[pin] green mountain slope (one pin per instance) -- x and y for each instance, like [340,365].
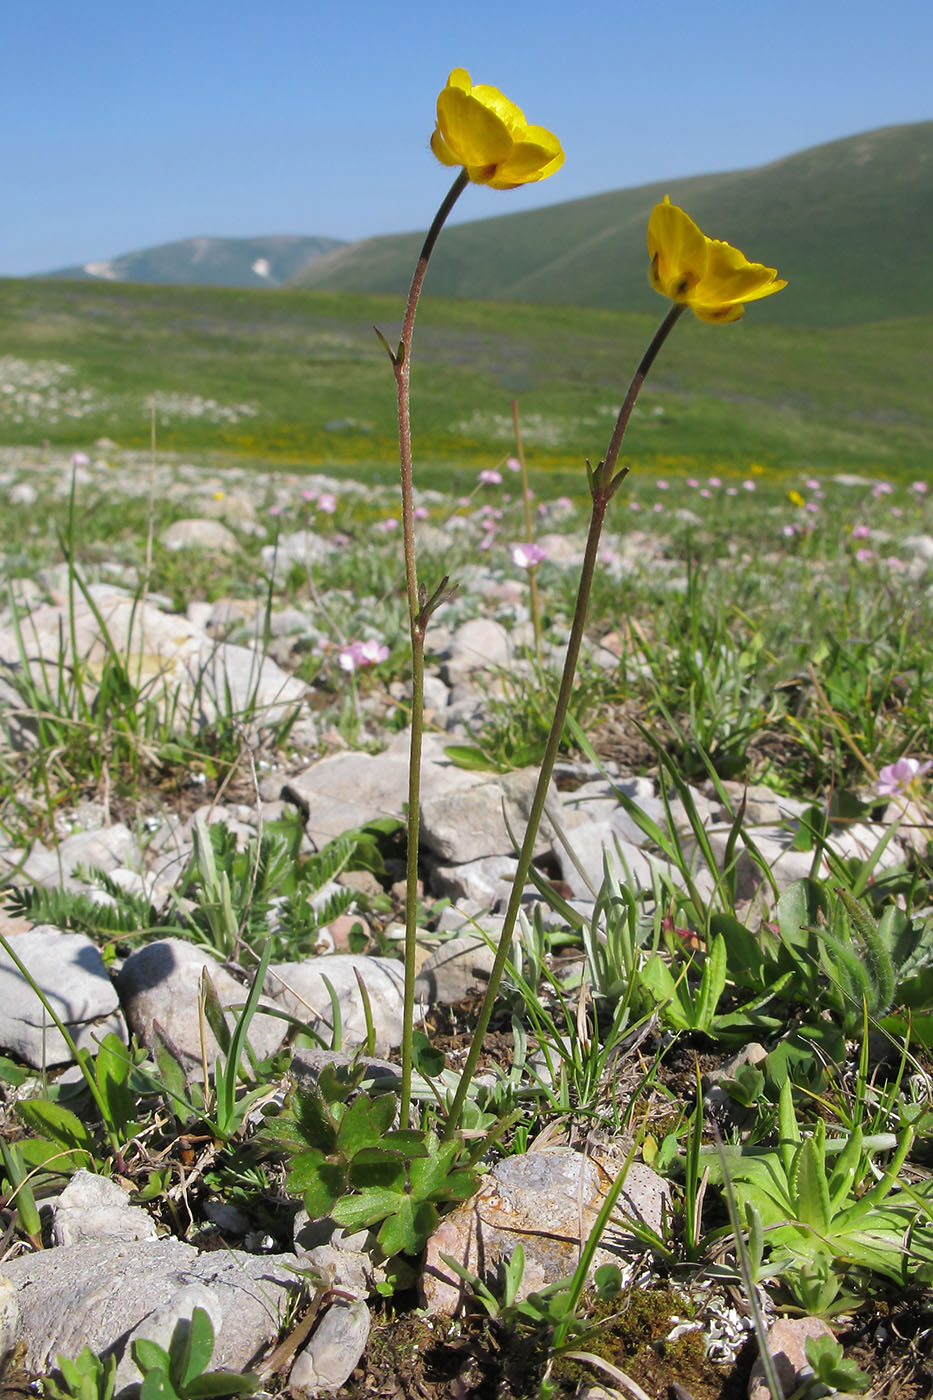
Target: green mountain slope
[266,261]
[846,223]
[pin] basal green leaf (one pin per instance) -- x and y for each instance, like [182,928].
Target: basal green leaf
[192,1352]
[409,1228]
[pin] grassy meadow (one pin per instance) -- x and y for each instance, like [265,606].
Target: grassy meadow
[299,378]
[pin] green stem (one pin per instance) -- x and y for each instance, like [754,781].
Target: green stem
[603,486]
[418,614]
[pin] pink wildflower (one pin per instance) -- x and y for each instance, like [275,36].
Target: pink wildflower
[864,556]
[896,778]
[527,555]
[327,502]
[881,488]
[513,464]
[749,486]
[367,653]
[81,459]
[860,532]
[421,512]
[490,477]
[919,488]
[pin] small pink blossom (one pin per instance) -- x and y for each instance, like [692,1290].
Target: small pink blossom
[490,477]
[897,513]
[421,512]
[881,488]
[388,525]
[276,509]
[367,653]
[692,481]
[715,481]
[307,495]
[658,506]
[864,556]
[662,485]
[788,531]
[896,778]
[527,555]
[732,490]
[327,502]
[81,459]
[633,505]
[513,464]
[749,486]
[860,532]
[564,503]
[706,493]
[919,488]
[812,484]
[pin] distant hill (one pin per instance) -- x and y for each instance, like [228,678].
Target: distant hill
[211,262]
[847,223]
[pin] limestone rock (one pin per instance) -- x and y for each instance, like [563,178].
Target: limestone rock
[299,989]
[71,973]
[541,1199]
[95,1295]
[93,1207]
[159,983]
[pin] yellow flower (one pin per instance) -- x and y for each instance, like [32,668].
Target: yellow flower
[488,135]
[795,498]
[712,278]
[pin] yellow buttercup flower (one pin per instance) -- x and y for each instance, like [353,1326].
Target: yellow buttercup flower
[711,277]
[480,129]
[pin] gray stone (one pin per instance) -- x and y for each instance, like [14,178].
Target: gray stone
[483,883]
[69,970]
[462,812]
[199,534]
[299,989]
[94,1207]
[160,983]
[541,1199]
[95,1295]
[348,789]
[303,547]
[453,971]
[332,1353]
[597,842]
[105,849]
[475,646]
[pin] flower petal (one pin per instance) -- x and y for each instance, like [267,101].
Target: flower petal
[731,277]
[474,133]
[678,251]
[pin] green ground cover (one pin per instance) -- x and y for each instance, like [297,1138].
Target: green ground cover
[300,378]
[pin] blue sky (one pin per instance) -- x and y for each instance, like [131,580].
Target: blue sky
[130,124]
